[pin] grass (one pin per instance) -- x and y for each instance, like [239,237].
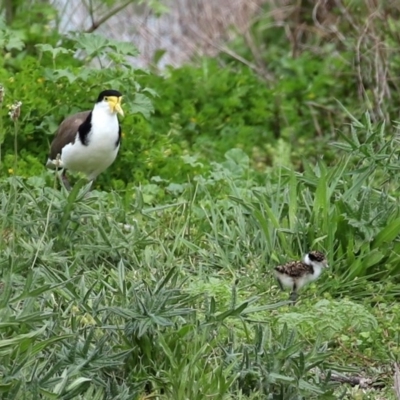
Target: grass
[165,291]
[119,296]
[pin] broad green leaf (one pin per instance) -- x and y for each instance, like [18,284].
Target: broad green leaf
[55,51]
[125,48]
[91,43]
[77,382]
[307,386]
[141,104]
[279,377]
[387,234]
[231,313]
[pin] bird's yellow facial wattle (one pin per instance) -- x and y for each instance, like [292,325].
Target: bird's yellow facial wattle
[115,104]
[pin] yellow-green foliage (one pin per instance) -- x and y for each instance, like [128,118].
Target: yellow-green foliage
[199,112]
[327,319]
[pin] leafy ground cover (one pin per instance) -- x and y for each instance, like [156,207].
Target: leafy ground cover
[166,292]
[160,286]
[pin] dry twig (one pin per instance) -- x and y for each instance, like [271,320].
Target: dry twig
[397,380]
[362,383]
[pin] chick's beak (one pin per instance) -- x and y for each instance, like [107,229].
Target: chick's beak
[115,104]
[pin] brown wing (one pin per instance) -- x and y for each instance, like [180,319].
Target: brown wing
[294,269]
[66,132]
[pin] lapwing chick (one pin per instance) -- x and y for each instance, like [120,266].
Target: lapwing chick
[88,142]
[296,274]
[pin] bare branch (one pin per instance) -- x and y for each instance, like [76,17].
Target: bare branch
[106,17]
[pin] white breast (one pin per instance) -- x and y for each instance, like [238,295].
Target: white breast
[101,149]
[285,280]
[304,280]
[301,281]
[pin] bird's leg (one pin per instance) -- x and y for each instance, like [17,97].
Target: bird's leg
[89,189]
[293,298]
[293,295]
[280,284]
[58,165]
[65,180]
[58,161]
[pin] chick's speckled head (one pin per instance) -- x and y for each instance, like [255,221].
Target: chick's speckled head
[316,258]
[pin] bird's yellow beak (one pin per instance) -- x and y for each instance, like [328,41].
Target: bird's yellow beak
[115,104]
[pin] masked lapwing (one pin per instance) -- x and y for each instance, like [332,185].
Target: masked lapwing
[296,274]
[88,142]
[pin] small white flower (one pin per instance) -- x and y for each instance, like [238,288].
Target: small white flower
[15,110]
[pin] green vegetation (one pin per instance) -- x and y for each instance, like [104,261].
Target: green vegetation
[158,284]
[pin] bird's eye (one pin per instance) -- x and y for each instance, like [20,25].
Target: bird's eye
[106,98]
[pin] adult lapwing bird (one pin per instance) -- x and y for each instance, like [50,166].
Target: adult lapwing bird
[296,274]
[89,141]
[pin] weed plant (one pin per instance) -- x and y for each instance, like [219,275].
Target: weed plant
[107,295]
